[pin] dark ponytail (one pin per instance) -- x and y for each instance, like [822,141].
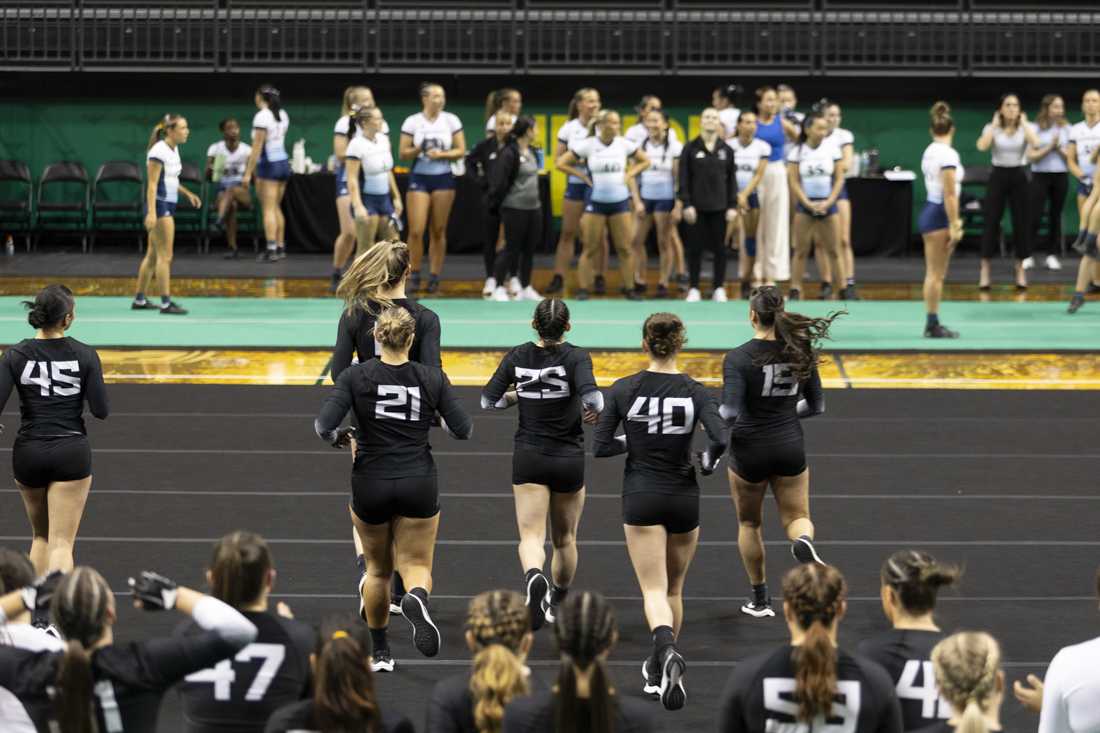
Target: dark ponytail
[240,568]
[344,699]
[551,320]
[49,307]
[520,127]
[815,595]
[585,629]
[79,608]
[815,115]
[76,712]
[272,98]
[800,335]
[916,578]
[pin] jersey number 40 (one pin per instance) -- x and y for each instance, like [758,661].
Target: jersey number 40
[925,693]
[63,377]
[664,415]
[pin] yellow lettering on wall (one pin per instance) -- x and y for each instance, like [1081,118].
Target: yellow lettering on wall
[557,178]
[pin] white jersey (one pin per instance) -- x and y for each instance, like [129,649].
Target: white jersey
[657,183]
[13,716]
[728,118]
[343,126]
[747,158]
[607,166]
[1071,691]
[815,167]
[1087,140]
[229,164]
[840,137]
[437,134]
[1007,151]
[572,130]
[274,148]
[638,134]
[937,158]
[168,184]
[375,160]
[1052,162]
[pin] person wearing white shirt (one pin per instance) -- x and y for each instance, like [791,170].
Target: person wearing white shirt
[816,177]
[1007,137]
[507,99]
[433,139]
[1048,177]
[843,140]
[940,223]
[750,155]
[373,193]
[163,168]
[355,97]
[270,164]
[658,190]
[724,99]
[225,163]
[1081,159]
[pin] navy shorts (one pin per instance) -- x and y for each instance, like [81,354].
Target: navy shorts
[758,461]
[658,206]
[165,209]
[843,193]
[1083,188]
[829,212]
[224,185]
[754,201]
[750,246]
[933,217]
[273,170]
[562,474]
[677,513]
[378,500]
[577,191]
[38,462]
[425,183]
[607,209]
[377,204]
[341,181]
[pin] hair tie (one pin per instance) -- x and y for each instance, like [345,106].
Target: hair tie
[340,634]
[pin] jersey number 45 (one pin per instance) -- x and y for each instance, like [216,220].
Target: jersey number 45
[63,377]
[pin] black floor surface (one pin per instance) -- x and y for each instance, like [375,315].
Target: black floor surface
[1001,482]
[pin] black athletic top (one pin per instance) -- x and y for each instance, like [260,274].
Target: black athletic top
[394,407]
[760,696]
[535,714]
[241,693]
[298,718]
[54,378]
[355,335]
[906,656]
[760,396]
[451,707]
[659,413]
[130,679]
[551,384]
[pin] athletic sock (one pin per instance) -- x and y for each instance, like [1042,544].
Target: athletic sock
[851,281]
[378,640]
[530,574]
[361,563]
[272,245]
[557,594]
[933,320]
[139,298]
[663,638]
[165,301]
[398,584]
[760,594]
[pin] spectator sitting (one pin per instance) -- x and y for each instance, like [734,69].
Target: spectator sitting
[225,162]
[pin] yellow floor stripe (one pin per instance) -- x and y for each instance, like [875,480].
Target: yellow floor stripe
[473,368]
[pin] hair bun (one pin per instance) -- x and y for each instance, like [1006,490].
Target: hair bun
[37,317]
[940,109]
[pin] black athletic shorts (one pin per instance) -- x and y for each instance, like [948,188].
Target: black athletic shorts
[563,474]
[676,512]
[377,501]
[38,462]
[759,461]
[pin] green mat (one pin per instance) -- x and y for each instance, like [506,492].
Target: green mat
[300,323]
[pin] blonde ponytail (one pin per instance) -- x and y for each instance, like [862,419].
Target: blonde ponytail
[967,665]
[498,621]
[382,266]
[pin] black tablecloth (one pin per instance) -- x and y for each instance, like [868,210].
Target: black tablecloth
[882,215]
[312,226]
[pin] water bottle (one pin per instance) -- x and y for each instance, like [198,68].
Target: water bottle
[9,245]
[540,158]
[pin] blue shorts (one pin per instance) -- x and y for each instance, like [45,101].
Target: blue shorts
[607,209]
[754,201]
[933,217]
[843,193]
[224,185]
[577,191]
[341,181]
[376,204]
[1084,189]
[273,170]
[658,206]
[165,209]
[829,212]
[430,183]
[749,244]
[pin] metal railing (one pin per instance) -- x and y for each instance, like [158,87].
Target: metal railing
[687,37]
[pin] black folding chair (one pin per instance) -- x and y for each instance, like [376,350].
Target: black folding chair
[189,219]
[62,205]
[972,202]
[16,199]
[118,197]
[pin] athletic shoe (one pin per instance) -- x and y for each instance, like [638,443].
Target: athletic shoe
[1078,245]
[537,589]
[601,285]
[826,291]
[382,661]
[1027,263]
[757,610]
[433,283]
[557,284]
[746,291]
[794,294]
[173,309]
[268,255]
[362,603]
[334,282]
[529,293]
[549,610]
[514,288]
[500,295]
[693,296]
[683,280]
[1052,263]
[849,293]
[652,681]
[144,305]
[804,551]
[1075,304]
[940,331]
[426,637]
[490,286]
[661,292]
[580,294]
[673,695]
[719,295]
[632,294]
[231,255]
[1092,289]
[280,253]
[395,606]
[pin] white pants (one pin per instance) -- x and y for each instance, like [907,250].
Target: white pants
[773,236]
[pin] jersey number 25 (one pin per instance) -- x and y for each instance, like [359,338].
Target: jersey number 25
[542,384]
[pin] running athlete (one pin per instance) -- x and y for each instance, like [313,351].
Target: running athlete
[582,110]
[810,684]
[269,162]
[584,697]
[51,459]
[552,382]
[844,141]
[507,99]
[123,683]
[750,155]
[816,177]
[434,140]
[658,189]
[611,164]
[724,99]
[372,187]
[395,491]
[240,693]
[970,678]
[498,633]
[660,409]
[163,168]
[344,698]
[225,163]
[940,223]
[910,582]
[768,384]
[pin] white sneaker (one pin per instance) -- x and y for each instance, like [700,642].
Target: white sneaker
[1052,263]
[500,295]
[514,288]
[1028,263]
[693,296]
[529,293]
[490,286]
[720,295]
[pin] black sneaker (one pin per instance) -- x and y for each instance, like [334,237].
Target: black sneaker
[581,294]
[362,601]
[601,285]
[268,255]
[826,291]
[683,281]
[803,551]
[673,695]
[549,610]
[1075,304]
[757,610]
[426,637]
[940,331]
[633,294]
[661,292]
[557,284]
[173,309]
[334,282]
[537,589]
[746,291]
[1078,245]
[652,680]
[280,253]
[794,294]
[381,660]
[433,283]
[144,305]
[231,255]
[849,293]
[1092,289]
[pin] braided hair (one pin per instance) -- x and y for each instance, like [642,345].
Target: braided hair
[815,595]
[966,666]
[497,623]
[81,607]
[551,321]
[586,630]
[916,578]
[799,334]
